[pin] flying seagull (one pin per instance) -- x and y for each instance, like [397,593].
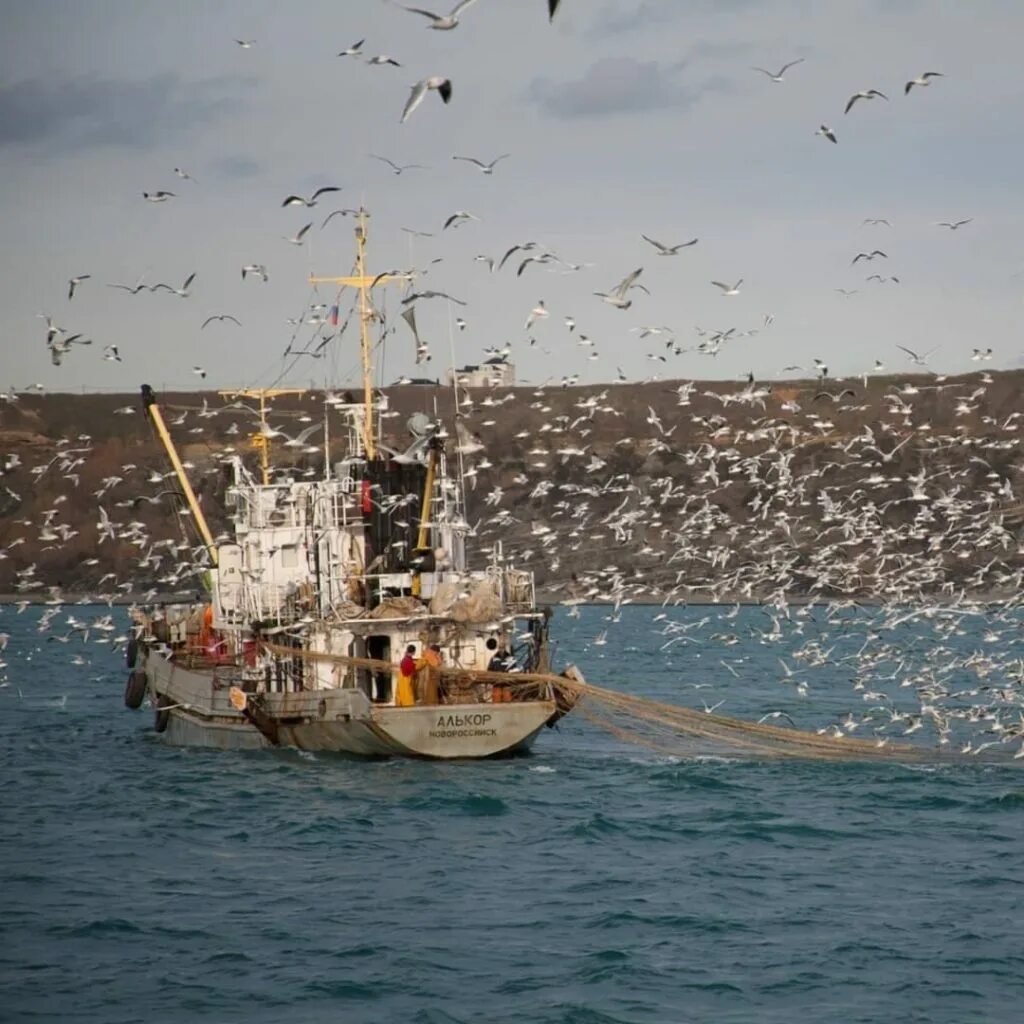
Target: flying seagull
[955,224]
[420,89]
[397,168]
[864,94]
[668,250]
[302,201]
[921,80]
[827,132]
[297,240]
[729,289]
[182,291]
[869,255]
[160,196]
[353,50]
[486,168]
[184,175]
[383,58]
[245,44]
[914,357]
[617,296]
[875,221]
[457,218]
[441,22]
[777,77]
[199,372]
[254,268]
[220,316]
[75,281]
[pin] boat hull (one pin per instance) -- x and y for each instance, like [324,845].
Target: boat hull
[194,709]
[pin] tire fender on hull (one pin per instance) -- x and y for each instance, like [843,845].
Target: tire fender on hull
[135,689]
[163,714]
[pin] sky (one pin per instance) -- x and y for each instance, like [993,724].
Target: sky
[622,118]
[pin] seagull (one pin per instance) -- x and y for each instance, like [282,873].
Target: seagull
[486,168]
[184,175]
[875,221]
[869,255]
[443,23]
[74,282]
[383,58]
[827,133]
[955,224]
[397,168]
[921,80]
[160,196]
[302,201]
[111,354]
[617,296]
[353,50]
[420,89]
[919,360]
[133,289]
[457,218]
[777,77]
[221,317]
[668,250]
[539,312]
[776,714]
[245,44]
[199,372]
[182,291]
[864,94]
[726,289]
[297,240]
[254,268]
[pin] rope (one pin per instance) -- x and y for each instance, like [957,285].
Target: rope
[661,726]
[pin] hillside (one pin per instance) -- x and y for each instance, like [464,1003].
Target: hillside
[878,487]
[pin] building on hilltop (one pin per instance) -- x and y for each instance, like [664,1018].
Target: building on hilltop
[496,372]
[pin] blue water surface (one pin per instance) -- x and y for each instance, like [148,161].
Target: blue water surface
[591,882]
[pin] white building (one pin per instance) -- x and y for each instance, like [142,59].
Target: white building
[496,372]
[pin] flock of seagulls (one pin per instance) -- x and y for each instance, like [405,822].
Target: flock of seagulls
[904,493]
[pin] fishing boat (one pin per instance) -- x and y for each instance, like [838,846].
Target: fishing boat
[319,589]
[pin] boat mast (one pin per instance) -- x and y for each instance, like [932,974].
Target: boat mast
[367,314]
[262,439]
[157,419]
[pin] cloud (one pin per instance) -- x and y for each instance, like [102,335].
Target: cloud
[89,112]
[618,85]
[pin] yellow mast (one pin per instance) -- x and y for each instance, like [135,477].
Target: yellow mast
[364,283]
[262,439]
[153,411]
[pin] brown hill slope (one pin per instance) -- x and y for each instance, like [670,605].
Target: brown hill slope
[878,486]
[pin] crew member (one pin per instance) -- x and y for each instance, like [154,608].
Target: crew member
[429,667]
[405,696]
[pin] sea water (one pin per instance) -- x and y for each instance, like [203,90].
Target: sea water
[590,882]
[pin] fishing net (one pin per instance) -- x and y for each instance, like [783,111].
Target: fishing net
[684,732]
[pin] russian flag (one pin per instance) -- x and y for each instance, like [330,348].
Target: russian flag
[334,316]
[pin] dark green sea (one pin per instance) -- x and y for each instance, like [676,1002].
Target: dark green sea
[591,882]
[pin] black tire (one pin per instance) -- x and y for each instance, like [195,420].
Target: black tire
[135,689]
[163,716]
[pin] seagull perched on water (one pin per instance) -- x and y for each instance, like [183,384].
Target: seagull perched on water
[443,22]
[727,289]
[827,132]
[921,80]
[74,282]
[420,89]
[617,296]
[486,168]
[668,250]
[302,201]
[864,94]
[777,77]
